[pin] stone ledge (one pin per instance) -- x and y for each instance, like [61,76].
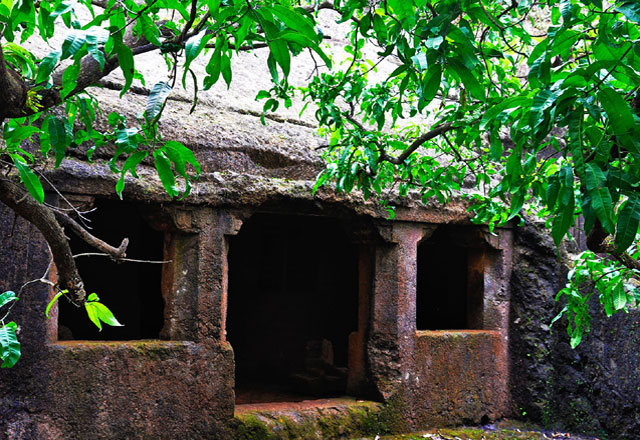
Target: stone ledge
[453,334]
[311,419]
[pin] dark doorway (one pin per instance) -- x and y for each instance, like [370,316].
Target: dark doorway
[449,284]
[292,305]
[132,291]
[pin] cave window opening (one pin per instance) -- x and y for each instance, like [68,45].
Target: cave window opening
[450,278]
[132,291]
[292,305]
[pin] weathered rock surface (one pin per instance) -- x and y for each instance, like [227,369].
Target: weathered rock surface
[140,389]
[313,419]
[594,388]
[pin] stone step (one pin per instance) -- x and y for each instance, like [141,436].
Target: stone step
[336,418]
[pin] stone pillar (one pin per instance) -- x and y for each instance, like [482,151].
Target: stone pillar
[212,269]
[498,266]
[357,384]
[496,280]
[393,324]
[195,282]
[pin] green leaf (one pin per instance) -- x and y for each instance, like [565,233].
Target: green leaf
[163,166]
[305,42]
[102,313]
[52,302]
[21,133]
[70,79]
[628,222]
[538,51]
[125,60]
[96,38]
[225,69]
[603,207]
[542,101]
[7,297]
[130,165]
[468,79]
[435,42]
[618,111]
[553,189]
[181,155]
[9,345]
[516,204]
[566,10]
[59,138]
[379,28]
[62,8]
[280,52]
[72,43]
[562,222]
[157,98]
[214,7]
[506,104]
[420,61]
[192,50]
[576,337]
[594,177]
[30,180]
[431,84]
[277,46]
[149,29]
[47,65]
[631,10]
[401,8]
[576,141]
[93,314]
[295,21]
[619,297]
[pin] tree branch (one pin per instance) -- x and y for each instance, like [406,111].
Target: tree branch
[13,92]
[598,241]
[417,143]
[90,74]
[43,218]
[425,137]
[119,252]
[192,19]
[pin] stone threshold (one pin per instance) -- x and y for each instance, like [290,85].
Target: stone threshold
[333,418]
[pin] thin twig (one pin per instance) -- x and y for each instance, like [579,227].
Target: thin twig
[118,252]
[118,259]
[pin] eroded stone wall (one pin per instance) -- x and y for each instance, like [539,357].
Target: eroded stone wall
[157,389]
[594,388]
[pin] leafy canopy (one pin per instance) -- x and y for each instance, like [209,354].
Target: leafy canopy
[519,106]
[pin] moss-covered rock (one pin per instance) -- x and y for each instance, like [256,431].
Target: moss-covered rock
[509,430]
[325,419]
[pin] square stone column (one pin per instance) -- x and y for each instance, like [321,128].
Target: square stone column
[393,308]
[212,271]
[195,280]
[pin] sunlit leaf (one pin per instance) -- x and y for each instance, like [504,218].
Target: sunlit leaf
[9,345]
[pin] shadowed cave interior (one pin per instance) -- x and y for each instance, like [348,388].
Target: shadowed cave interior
[292,305]
[449,282]
[132,291]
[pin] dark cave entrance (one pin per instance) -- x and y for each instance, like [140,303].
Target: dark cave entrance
[292,304]
[450,284]
[132,291]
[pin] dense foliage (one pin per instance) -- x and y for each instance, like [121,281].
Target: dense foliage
[529,107]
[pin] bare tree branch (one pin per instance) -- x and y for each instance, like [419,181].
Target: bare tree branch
[119,252]
[43,218]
